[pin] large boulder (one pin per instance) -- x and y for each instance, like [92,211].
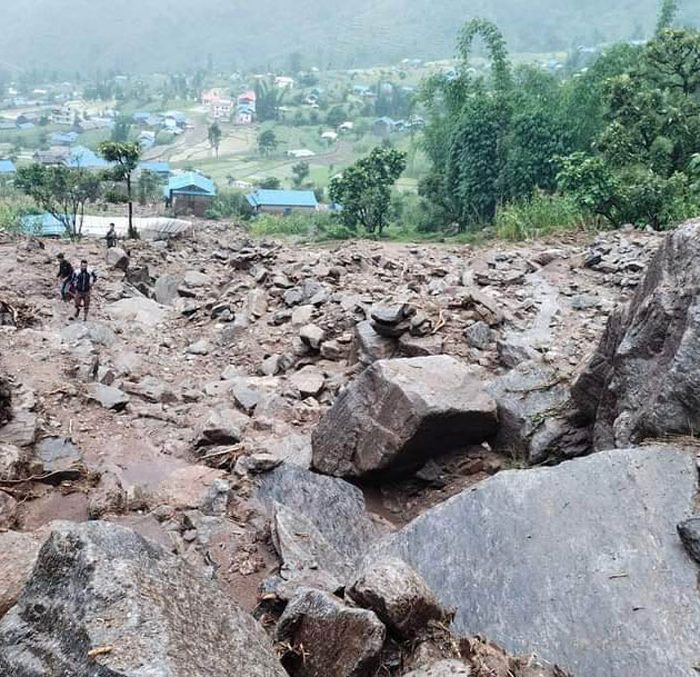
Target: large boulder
[580,562]
[329,639]
[117,258]
[102,601]
[643,379]
[399,413]
[137,311]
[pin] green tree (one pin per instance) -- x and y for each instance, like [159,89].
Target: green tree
[267,142]
[300,171]
[121,129]
[669,9]
[336,116]
[125,159]
[269,98]
[61,191]
[148,187]
[214,134]
[270,183]
[364,189]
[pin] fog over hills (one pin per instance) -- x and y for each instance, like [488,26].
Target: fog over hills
[167,35]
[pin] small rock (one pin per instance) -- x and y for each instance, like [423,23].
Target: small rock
[479,335]
[302,315]
[8,511]
[332,350]
[107,396]
[309,381]
[312,336]
[221,427]
[398,595]
[199,348]
[337,640]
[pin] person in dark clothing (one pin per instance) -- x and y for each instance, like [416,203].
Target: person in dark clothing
[111,237]
[83,281]
[65,275]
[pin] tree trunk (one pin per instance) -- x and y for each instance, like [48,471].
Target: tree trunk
[132,231]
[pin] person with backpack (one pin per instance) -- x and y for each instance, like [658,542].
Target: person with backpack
[83,281]
[65,275]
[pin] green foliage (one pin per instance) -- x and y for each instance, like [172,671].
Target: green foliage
[540,216]
[300,172]
[148,187]
[312,226]
[336,116]
[229,204]
[667,14]
[267,142]
[214,134]
[124,157]
[364,189]
[269,98]
[61,191]
[270,183]
[120,131]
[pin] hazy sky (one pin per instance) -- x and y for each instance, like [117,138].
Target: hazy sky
[148,35]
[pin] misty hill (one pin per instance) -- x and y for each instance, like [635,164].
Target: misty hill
[148,35]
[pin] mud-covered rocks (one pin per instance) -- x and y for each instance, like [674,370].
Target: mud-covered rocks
[328,638]
[398,595]
[117,258]
[98,585]
[399,413]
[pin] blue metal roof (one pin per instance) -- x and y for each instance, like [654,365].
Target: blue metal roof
[155,167]
[282,198]
[80,156]
[191,183]
[45,225]
[7,167]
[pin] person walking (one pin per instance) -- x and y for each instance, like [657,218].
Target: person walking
[83,281]
[65,275]
[111,236]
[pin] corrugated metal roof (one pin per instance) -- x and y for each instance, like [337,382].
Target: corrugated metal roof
[45,225]
[282,198]
[157,167]
[7,167]
[191,183]
[80,156]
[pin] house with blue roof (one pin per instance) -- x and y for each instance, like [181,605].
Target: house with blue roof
[161,169]
[282,201]
[84,158]
[383,126]
[7,168]
[190,193]
[63,138]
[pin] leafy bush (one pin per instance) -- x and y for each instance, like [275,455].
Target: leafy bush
[14,206]
[539,216]
[312,226]
[229,204]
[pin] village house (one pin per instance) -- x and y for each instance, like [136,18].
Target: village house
[284,82]
[282,201]
[212,96]
[62,116]
[7,168]
[221,109]
[190,193]
[160,169]
[383,126]
[63,138]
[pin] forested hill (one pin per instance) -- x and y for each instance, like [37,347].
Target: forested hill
[148,35]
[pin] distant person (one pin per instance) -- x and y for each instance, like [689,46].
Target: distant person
[111,237]
[65,275]
[83,281]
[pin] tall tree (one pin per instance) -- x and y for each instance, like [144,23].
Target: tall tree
[299,173]
[125,159]
[214,134]
[364,189]
[267,142]
[63,192]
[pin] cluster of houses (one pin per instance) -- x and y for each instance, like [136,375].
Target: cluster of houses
[150,124]
[240,111]
[385,126]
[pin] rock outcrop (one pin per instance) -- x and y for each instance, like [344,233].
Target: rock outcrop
[580,563]
[643,381]
[102,601]
[399,413]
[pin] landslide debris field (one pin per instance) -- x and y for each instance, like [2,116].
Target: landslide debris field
[343,451]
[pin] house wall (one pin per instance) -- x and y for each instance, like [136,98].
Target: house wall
[195,205]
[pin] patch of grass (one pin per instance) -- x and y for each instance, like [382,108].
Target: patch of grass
[540,216]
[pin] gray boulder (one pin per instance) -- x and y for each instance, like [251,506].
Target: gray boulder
[399,413]
[117,258]
[560,560]
[642,381]
[165,290]
[334,507]
[335,640]
[398,595]
[8,511]
[450,667]
[103,601]
[59,456]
